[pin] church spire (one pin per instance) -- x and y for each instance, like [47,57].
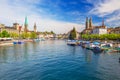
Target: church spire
[90,23]
[87,23]
[26,21]
[26,25]
[103,22]
[35,27]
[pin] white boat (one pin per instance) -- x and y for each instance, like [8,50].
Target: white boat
[90,46]
[72,42]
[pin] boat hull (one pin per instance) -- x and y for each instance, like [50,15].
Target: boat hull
[97,50]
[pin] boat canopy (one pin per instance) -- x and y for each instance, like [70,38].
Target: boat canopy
[96,43]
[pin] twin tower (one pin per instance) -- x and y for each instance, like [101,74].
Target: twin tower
[89,23]
[90,26]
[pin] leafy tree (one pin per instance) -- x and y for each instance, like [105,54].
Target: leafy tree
[14,35]
[85,36]
[25,35]
[5,34]
[73,34]
[111,36]
[33,35]
[52,32]
[0,34]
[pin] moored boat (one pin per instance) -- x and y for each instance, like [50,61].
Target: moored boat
[72,42]
[36,40]
[116,49]
[90,46]
[18,42]
[106,46]
[97,49]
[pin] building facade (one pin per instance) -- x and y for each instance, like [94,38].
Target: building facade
[13,29]
[35,28]
[90,29]
[115,30]
[88,26]
[99,31]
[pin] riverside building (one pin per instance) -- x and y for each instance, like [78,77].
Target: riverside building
[90,29]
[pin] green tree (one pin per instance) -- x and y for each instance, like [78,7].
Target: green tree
[14,35]
[33,35]
[52,32]
[73,34]
[25,35]
[111,36]
[5,34]
[0,34]
[85,36]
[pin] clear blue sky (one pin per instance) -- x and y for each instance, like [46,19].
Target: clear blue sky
[60,15]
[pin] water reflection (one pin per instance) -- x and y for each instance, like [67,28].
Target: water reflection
[56,59]
[73,50]
[25,53]
[14,53]
[35,45]
[3,54]
[88,55]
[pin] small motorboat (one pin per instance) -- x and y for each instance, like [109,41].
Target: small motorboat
[72,42]
[18,42]
[97,49]
[90,46]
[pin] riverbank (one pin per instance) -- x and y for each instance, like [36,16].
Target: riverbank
[10,42]
[4,43]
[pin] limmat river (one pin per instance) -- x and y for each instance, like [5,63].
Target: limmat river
[54,60]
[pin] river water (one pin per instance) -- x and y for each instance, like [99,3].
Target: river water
[54,60]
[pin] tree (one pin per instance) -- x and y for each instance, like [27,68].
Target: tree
[73,34]
[85,36]
[14,35]
[33,35]
[52,32]
[0,34]
[5,34]
[25,35]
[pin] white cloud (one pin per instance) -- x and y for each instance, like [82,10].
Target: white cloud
[113,18]
[109,9]
[61,27]
[106,7]
[16,11]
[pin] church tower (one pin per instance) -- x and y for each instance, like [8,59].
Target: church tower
[35,27]
[87,25]
[90,23]
[103,25]
[26,25]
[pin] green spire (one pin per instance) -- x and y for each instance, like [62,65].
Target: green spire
[26,21]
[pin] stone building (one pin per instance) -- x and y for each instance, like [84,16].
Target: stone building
[35,28]
[16,28]
[99,29]
[90,29]
[13,29]
[115,30]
